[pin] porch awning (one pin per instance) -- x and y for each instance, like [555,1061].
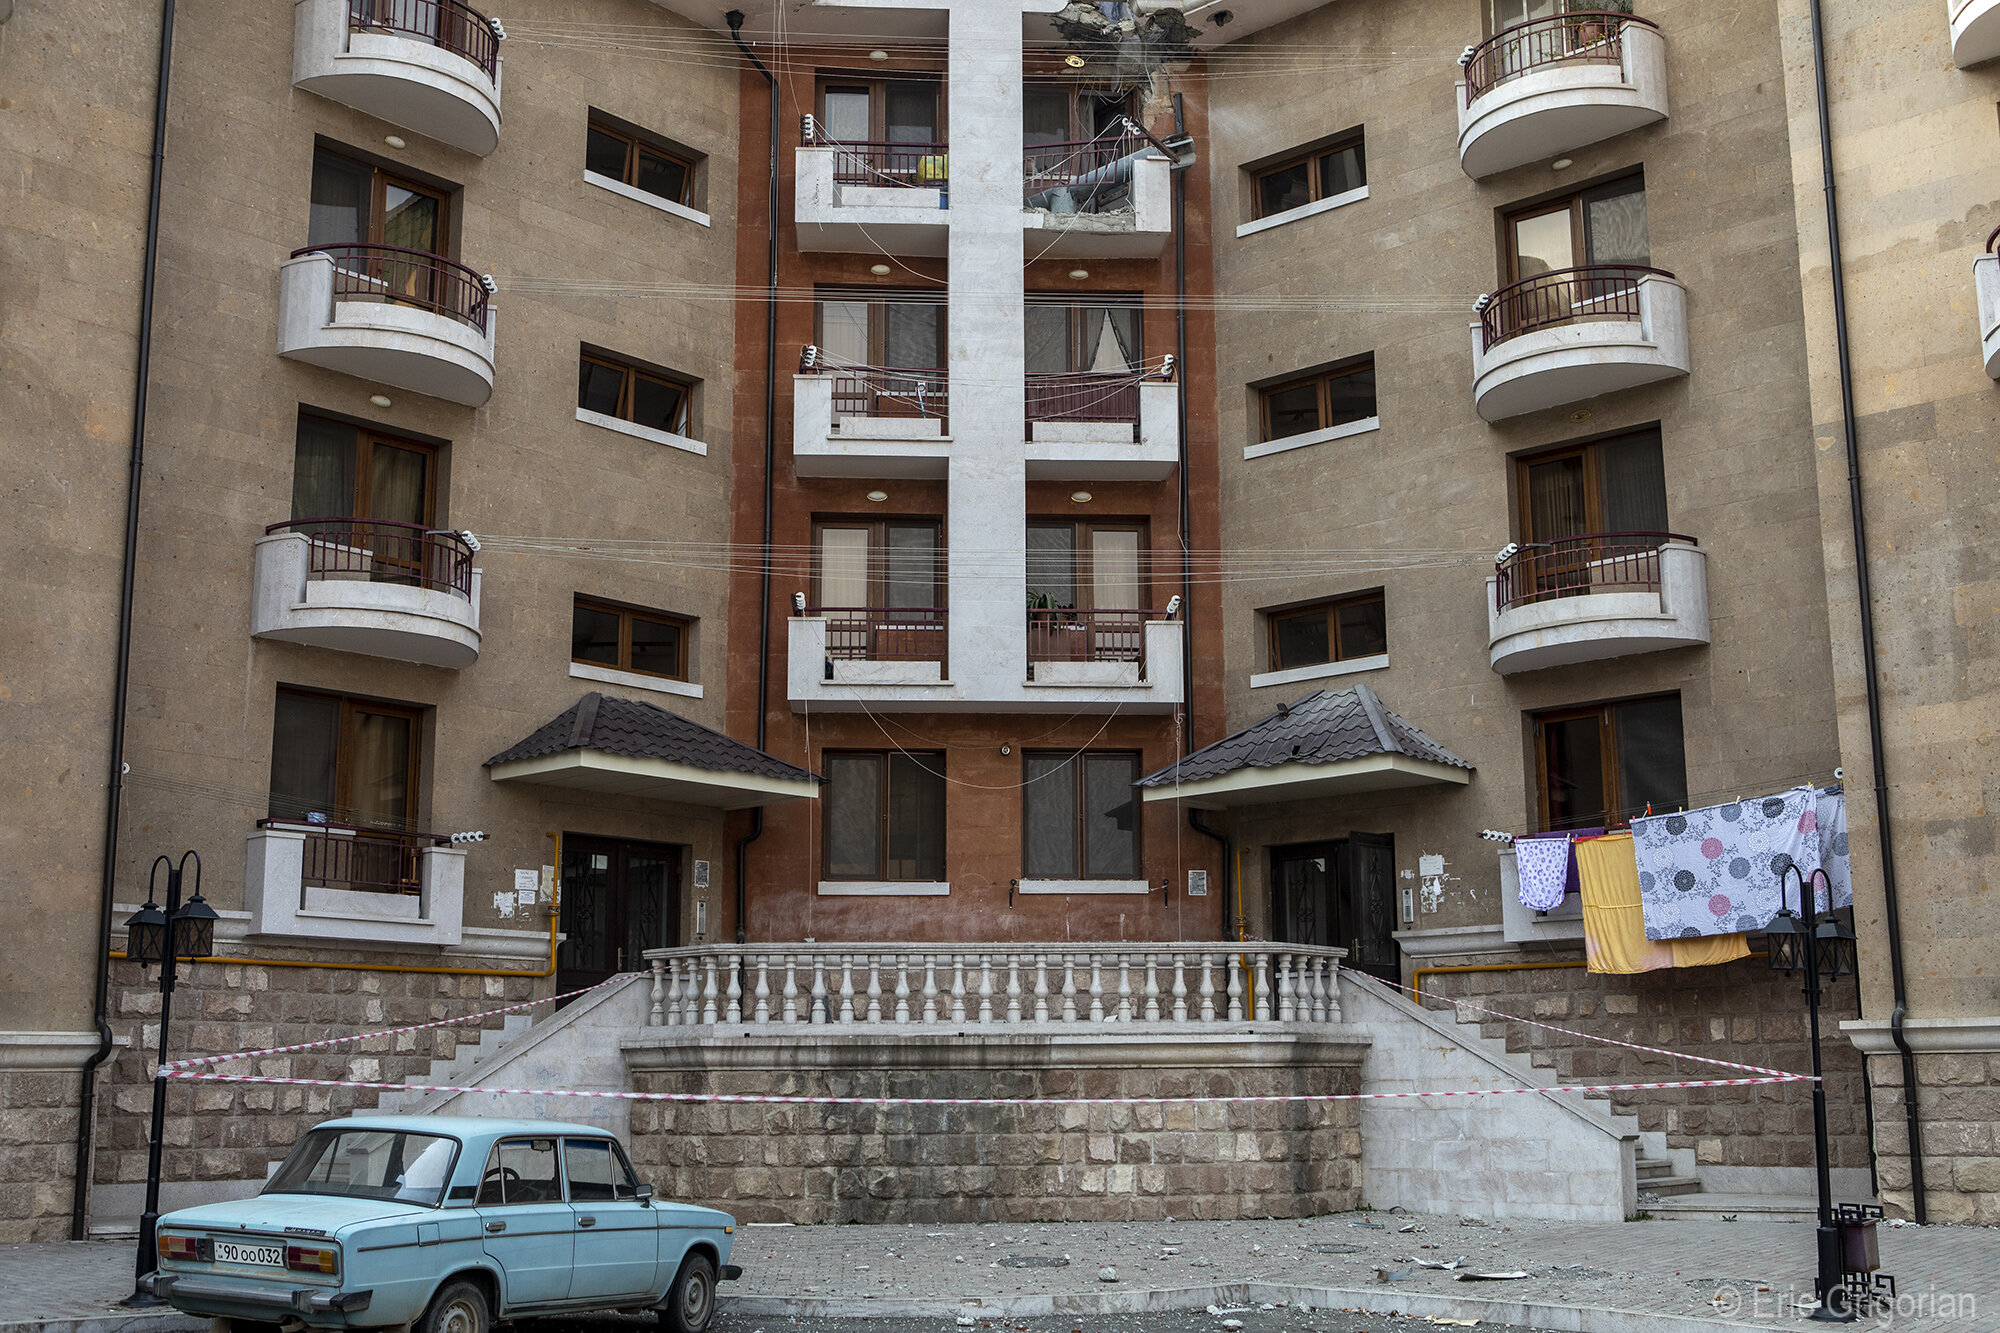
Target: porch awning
[623,747]
[1328,743]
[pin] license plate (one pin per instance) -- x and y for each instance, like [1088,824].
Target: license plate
[233,1252]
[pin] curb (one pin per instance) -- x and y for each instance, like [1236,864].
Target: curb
[171,1321]
[1369,1300]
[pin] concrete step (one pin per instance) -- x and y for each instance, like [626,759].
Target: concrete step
[1652,1168]
[1734,1207]
[1669,1186]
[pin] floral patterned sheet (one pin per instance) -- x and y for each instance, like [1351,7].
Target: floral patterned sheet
[1721,869]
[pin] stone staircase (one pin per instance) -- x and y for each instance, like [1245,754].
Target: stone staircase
[465,1064]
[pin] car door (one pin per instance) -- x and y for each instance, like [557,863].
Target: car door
[528,1227]
[617,1236]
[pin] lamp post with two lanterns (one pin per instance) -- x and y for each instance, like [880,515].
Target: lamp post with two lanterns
[181,933]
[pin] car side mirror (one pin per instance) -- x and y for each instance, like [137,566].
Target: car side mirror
[645,1194]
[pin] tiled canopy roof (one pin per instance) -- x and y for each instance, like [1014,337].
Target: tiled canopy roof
[638,730]
[1325,727]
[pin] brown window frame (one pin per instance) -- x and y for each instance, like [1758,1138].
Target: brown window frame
[878,98]
[352,706]
[878,564]
[626,615]
[1073,305]
[1323,381]
[1082,568]
[876,299]
[378,203]
[1312,159]
[365,440]
[630,374]
[1589,452]
[931,763]
[1079,761]
[1075,132]
[1574,201]
[635,145]
[1618,813]
[1330,610]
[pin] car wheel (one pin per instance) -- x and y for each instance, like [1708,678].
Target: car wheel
[459,1307]
[691,1300]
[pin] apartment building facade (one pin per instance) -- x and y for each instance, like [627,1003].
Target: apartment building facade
[1035,476]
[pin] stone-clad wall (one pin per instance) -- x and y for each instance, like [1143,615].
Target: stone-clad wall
[1958,1103]
[1018,1162]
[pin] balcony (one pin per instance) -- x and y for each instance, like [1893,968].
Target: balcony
[1975,31]
[1585,599]
[868,421]
[432,66]
[1986,277]
[1545,87]
[392,315]
[1576,333]
[1100,647]
[324,881]
[357,585]
[1103,427]
[1105,199]
[860,197]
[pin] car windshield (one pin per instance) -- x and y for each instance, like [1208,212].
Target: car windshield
[368,1164]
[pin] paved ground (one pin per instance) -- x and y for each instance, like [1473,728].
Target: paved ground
[1655,1277]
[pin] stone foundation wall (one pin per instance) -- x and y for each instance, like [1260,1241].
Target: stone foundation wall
[1740,1011]
[37,1144]
[1958,1107]
[1019,1162]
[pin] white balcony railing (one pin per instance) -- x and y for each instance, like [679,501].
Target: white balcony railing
[432,66]
[856,986]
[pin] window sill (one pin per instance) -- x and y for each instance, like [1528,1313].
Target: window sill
[623,427]
[1086,886]
[1322,671]
[634,680]
[1316,207]
[883,888]
[1345,430]
[650,200]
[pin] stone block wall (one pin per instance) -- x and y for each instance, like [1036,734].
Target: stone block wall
[37,1145]
[1033,1159]
[1958,1106]
[1740,1011]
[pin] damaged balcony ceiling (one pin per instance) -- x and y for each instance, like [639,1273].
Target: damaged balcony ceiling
[812,21]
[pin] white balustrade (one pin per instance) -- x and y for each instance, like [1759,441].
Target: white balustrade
[1043,985]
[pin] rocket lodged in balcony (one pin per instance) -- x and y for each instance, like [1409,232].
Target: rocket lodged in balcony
[1975,31]
[864,196]
[391,314]
[1108,198]
[1550,85]
[432,66]
[359,585]
[1585,599]
[1986,277]
[1573,334]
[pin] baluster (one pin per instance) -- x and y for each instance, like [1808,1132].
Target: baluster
[708,991]
[760,1009]
[1331,969]
[816,1010]
[657,1015]
[847,988]
[735,995]
[873,962]
[958,988]
[1180,988]
[1288,1006]
[691,998]
[1069,988]
[986,988]
[1308,988]
[1232,964]
[1206,987]
[1013,988]
[930,988]
[788,999]
[1152,995]
[902,987]
[1261,988]
[1096,988]
[1041,988]
[1124,988]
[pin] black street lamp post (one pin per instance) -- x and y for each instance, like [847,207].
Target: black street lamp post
[1799,941]
[182,933]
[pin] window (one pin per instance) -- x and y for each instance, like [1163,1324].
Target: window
[1104,336]
[340,470]
[626,158]
[1087,566]
[880,328]
[1336,631]
[1055,113]
[1510,13]
[342,760]
[1062,175]
[890,563]
[520,1171]
[882,110]
[1602,225]
[643,397]
[355,202]
[1079,817]
[884,816]
[625,638]
[597,1171]
[1616,485]
[1605,765]
[1321,173]
[1319,401]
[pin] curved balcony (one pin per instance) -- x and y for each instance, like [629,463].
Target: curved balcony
[390,314]
[1576,333]
[1975,31]
[432,66]
[868,421]
[1986,278]
[858,197]
[1585,599]
[1550,85]
[361,585]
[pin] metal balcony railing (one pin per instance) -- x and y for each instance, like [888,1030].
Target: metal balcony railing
[398,275]
[880,391]
[382,551]
[880,162]
[1575,566]
[1083,396]
[1565,296]
[356,856]
[451,24]
[1086,176]
[1583,36]
[883,633]
[1087,636]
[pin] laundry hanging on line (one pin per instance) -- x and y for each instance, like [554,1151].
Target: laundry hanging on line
[1544,879]
[1614,928]
[1721,869]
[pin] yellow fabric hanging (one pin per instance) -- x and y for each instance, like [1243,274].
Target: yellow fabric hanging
[1614,922]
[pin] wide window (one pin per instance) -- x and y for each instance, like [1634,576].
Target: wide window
[627,638]
[884,816]
[1058,113]
[1103,335]
[882,111]
[1602,225]
[1610,763]
[1321,173]
[355,202]
[1336,631]
[643,397]
[342,760]
[880,585]
[626,158]
[341,471]
[1616,485]
[903,330]
[1080,818]
[1320,401]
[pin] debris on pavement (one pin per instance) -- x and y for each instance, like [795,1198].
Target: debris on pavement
[1491,1277]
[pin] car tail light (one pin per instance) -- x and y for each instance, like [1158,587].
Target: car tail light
[186,1249]
[312,1259]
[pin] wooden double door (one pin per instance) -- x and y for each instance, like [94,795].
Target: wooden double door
[619,899]
[1340,893]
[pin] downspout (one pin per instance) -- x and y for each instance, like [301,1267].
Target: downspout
[1181,407]
[1865,598]
[122,679]
[734,18]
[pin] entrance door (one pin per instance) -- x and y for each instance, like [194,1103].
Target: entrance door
[1303,907]
[1367,875]
[619,898]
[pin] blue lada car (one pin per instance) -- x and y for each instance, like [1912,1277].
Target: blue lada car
[445,1225]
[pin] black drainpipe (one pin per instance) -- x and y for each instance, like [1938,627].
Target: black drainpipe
[734,18]
[79,1205]
[1865,598]
[1181,407]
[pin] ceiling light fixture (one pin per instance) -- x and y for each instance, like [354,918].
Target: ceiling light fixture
[395,141]
[380,400]
[878,496]
[1562,163]
[1080,497]
[1079,273]
[879,270]
[1581,414]
[878,55]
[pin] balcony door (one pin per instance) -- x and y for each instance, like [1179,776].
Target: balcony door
[350,766]
[1087,591]
[619,898]
[892,111]
[880,586]
[1590,510]
[1601,231]
[355,204]
[366,495]
[872,343]
[1340,894]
